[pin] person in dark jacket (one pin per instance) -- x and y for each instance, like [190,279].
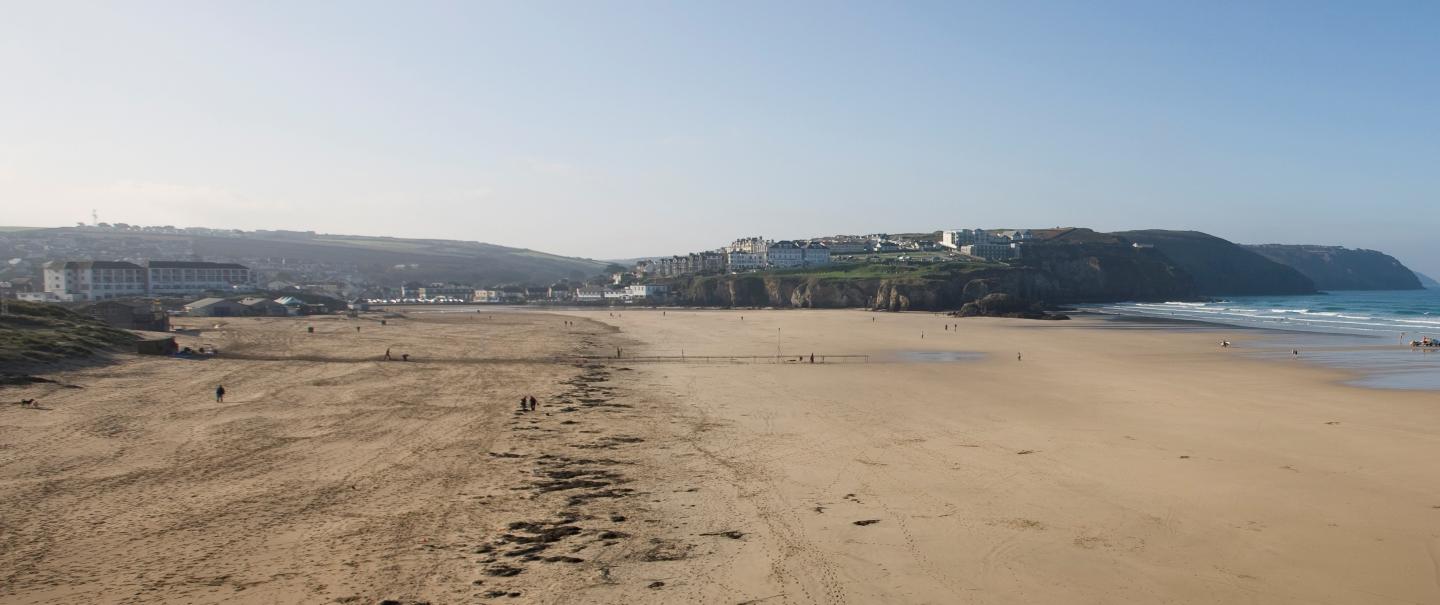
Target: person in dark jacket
[220,394]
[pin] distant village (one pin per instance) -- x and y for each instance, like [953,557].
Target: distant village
[142,293]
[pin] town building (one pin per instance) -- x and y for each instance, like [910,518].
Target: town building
[992,251]
[445,291]
[590,294]
[15,286]
[956,238]
[43,297]
[187,278]
[846,245]
[651,292]
[94,280]
[738,262]
[784,254]
[749,245]
[262,307]
[214,307]
[815,253]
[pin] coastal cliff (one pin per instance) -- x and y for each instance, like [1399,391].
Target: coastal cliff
[1221,267]
[1337,268]
[1077,270]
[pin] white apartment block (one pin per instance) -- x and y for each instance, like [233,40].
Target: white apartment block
[955,238]
[94,280]
[183,278]
[103,280]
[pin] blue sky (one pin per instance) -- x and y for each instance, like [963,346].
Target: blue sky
[635,128]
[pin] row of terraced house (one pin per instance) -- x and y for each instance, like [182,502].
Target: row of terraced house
[744,254]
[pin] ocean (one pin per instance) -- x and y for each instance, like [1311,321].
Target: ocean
[1368,332]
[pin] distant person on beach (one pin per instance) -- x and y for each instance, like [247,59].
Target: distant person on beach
[1017,357]
[524,403]
[404,357]
[1294,352]
[387,354]
[534,405]
[220,394]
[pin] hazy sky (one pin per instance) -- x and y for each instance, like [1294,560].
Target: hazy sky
[616,129]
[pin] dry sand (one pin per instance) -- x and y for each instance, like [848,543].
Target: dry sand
[1109,466]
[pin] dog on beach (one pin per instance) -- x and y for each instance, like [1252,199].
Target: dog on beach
[29,403]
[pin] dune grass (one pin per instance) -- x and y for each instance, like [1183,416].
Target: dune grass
[44,333]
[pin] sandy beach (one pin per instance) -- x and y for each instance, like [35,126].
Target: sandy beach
[1104,466]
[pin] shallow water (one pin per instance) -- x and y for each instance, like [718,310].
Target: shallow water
[1366,332]
[939,356]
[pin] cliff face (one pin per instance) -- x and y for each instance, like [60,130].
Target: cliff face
[1222,268]
[1336,268]
[1049,274]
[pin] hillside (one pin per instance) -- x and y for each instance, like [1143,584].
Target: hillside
[1220,267]
[41,333]
[1426,281]
[1338,268]
[305,255]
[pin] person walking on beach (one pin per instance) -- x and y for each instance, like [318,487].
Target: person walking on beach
[524,404]
[534,405]
[220,394]
[387,354]
[1017,357]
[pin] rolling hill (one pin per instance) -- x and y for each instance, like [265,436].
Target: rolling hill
[311,255]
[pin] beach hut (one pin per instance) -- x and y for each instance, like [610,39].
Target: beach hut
[158,346]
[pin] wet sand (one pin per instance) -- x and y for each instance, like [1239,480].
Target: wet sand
[1109,466]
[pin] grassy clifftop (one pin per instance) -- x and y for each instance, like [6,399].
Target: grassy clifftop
[40,333]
